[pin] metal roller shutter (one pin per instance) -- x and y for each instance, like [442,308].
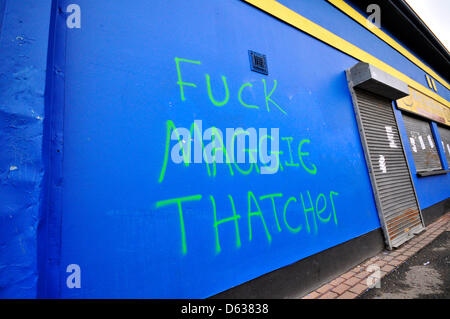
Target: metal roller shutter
[422,143]
[390,175]
[445,140]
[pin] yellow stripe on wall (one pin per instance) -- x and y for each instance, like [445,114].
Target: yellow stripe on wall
[429,81]
[355,15]
[434,84]
[294,19]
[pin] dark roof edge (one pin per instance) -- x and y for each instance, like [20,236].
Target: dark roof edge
[404,9]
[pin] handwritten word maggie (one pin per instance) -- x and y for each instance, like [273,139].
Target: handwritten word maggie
[225,92]
[315,211]
[293,157]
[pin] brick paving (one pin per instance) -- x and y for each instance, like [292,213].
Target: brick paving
[353,283]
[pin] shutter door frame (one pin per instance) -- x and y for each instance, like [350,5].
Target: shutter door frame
[400,239]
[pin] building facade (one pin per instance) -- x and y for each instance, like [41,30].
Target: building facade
[97,96]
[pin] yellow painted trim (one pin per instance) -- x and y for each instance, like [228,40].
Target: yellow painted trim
[429,81]
[299,22]
[355,15]
[434,84]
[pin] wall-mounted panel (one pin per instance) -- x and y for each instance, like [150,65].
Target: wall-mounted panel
[422,143]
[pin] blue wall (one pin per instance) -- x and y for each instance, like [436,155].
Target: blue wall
[120,91]
[23,56]
[112,90]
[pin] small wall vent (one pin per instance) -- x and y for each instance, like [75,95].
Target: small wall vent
[258,62]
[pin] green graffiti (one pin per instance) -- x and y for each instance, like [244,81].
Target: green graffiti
[312,171]
[178,201]
[257,213]
[250,154]
[277,154]
[180,81]
[195,129]
[332,204]
[320,211]
[252,159]
[186,154]
[291,163]
[222,221]
[313,210]
[240,96]
[294,230]
[279,159]
[248,171]
[222,147]
[306,211]
[268,97]
[272,198]
[186,149]
[227,92]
